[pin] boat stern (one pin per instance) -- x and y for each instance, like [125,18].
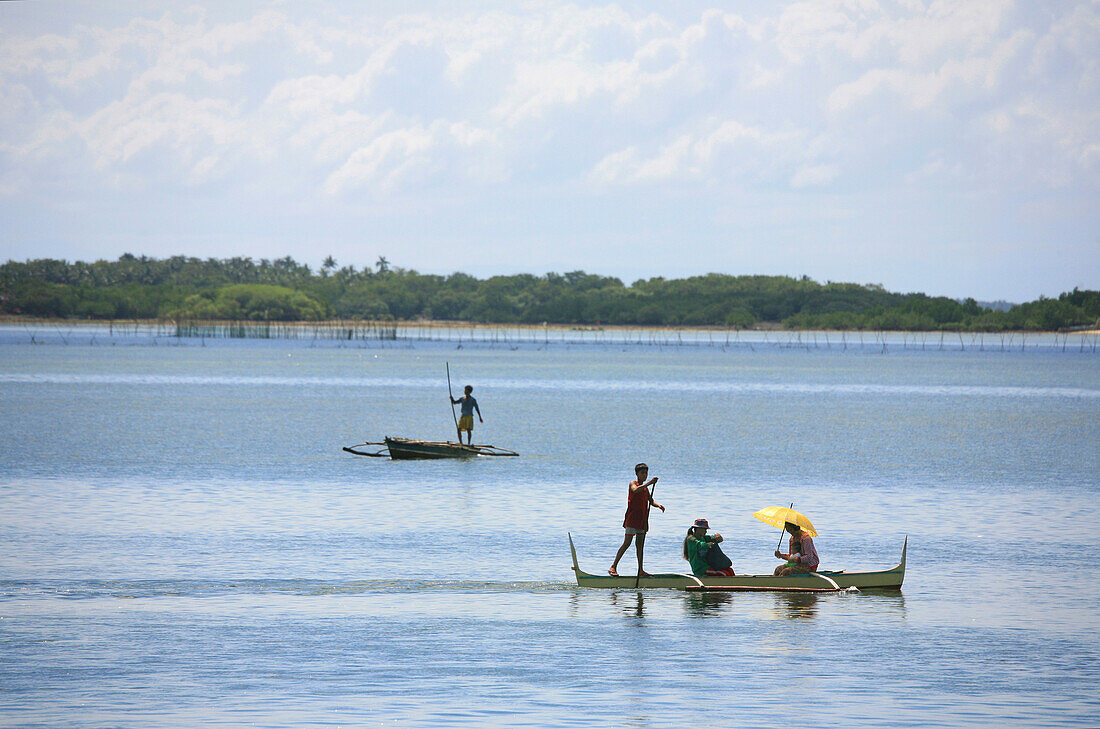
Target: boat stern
[573,551]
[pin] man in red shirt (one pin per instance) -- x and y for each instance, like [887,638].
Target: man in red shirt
[636,523]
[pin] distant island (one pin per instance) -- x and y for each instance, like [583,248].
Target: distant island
[241,289]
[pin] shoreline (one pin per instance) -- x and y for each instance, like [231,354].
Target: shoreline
[459,335]
[432,324]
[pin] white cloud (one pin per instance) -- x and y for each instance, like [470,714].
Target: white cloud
[719,150]
[814,176]
[383,161]
[922,89]
[937,169]
[21,55]
[513,79]
[327,101]
[190,132]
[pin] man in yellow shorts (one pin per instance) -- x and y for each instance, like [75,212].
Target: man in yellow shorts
[466,421]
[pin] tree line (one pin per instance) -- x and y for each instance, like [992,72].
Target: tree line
[182,288]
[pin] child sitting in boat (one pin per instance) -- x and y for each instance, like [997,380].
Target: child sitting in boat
[701,550]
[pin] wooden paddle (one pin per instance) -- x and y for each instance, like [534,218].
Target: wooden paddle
[451,397]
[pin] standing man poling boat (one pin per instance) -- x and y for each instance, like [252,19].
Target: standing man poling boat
[638,500]
[466,420]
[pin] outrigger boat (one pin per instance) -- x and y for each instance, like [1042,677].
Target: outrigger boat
[407,449]
[824,581]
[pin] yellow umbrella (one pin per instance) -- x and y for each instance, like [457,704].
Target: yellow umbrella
[777,516]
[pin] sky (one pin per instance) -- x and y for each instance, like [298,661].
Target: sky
[946,147]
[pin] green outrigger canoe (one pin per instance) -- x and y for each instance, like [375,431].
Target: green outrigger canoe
[825,581]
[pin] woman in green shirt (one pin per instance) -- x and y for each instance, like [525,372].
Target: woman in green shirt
[701,550]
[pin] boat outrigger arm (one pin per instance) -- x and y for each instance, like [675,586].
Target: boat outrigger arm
[384,453]
[825,581]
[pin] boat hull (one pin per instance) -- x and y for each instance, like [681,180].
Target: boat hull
[407,449]
[890,579]
[403,449]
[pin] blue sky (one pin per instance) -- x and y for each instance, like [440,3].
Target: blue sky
[945,147]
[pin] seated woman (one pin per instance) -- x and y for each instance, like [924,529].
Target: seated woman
[701,550]
[801,559]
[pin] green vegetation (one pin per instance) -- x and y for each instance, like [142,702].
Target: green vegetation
[182,288]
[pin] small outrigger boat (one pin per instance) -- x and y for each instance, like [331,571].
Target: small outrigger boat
[825,581]
[407,449]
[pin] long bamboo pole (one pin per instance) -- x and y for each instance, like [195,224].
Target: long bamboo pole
[451,397]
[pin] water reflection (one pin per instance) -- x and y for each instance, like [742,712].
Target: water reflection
[805,605]
[636,605]
[707,604]
[629,603]
[886,601]
[796,605]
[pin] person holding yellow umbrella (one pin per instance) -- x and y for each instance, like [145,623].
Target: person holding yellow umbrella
[801,557]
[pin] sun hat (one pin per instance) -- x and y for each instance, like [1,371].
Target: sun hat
[702,523]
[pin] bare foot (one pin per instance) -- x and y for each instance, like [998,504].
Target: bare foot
[643,573]
[613,572]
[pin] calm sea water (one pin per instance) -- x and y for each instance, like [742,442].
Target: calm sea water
[185,543]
